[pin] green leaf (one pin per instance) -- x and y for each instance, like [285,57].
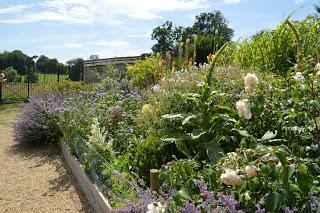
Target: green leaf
[282,157]
[197,133]
[177,137]
[268,135]
[287,173]
[173,116]
[224,109]
[185,194]
[273,202]
[183,148]
[187,119]
[214,151]
[243,133]
[304,182]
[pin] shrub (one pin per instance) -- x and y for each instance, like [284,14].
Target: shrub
[11,74]
[37,122]
[144,72]
[31,77]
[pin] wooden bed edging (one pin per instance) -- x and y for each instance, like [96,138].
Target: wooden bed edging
[97,200]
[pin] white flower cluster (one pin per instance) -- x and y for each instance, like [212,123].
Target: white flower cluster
[231,178]
[250,81]
[298,77]
[244,109]
[98,135]
[155,207]
[251,170]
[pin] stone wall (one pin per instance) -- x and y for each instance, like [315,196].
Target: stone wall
[93,69]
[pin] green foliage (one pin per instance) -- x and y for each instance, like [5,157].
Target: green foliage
[11,74]
[31,77]
[149,154]
[70,87]
[144,72]
[75,69]
[206,25]
[47,65]
[164,36]
[276,50]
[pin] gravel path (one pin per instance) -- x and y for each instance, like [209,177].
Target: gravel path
[35,179]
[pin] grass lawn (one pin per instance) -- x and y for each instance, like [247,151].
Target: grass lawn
[53,77]
[7,114]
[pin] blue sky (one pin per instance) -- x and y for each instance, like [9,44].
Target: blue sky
[66,29]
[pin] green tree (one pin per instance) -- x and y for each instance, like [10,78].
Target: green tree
[93,57]
[164,35]
[213,23]
[75,69]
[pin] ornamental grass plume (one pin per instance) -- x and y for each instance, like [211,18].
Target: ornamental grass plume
[243,109]
[230,178]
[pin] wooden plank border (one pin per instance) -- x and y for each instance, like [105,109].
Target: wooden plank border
[97,200]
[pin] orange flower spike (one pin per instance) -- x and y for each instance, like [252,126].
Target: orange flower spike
[190,61]
[161,75]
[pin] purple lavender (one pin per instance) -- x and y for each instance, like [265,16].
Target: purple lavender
[189,208]
[259,205]
[37,122]
[315,202]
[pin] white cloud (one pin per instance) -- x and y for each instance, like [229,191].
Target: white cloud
[13,9]
[232,1]
[299,1]
[105,11]
[112,43]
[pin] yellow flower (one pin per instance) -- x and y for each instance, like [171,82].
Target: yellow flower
[146,108]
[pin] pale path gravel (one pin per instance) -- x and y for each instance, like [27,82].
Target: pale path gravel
[34,179]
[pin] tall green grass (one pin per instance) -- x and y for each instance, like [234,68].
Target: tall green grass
[275,50]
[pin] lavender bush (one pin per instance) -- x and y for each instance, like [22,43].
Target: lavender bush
[37,122]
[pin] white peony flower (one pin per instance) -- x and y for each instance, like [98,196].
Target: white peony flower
[251,170]
[250,81]
[243,109]
[230,177]
[155,207]
[298,77]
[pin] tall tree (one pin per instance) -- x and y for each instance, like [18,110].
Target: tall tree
[93,57]
[164,35]
[75,69]
[213,23]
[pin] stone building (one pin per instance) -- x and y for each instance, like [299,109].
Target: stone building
[95,68]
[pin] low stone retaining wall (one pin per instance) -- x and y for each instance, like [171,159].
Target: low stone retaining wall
[91,191]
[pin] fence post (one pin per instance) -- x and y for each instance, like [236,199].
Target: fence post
[28,83]
[58,75]
[0,92]
[154,180]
